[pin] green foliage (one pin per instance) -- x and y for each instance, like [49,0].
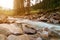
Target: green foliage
[47,4]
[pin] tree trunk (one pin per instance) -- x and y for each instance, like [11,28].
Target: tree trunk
[18,7]
[28,6]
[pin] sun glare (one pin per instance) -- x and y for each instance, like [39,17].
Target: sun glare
[6,4]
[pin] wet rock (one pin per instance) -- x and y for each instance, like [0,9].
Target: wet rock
[32,37]
[24,37]
[21,37]
[15,29]
[56,17]
[54,21]
[28,29]
[36,36]
[44,34]
[4,31]
[11,19]
[12,37]
[54,39]
[10,28]
[39,38]
[43,19]
[2,37]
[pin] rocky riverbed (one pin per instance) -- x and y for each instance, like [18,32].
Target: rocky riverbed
[49,17]
[22,31]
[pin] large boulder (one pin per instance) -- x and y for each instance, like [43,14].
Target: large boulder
[35,37]
[12,37]
[10,29]
[2,37]
[24,37]
[20,37]
[4,31]
[32,37]
[28,28]
[39,38]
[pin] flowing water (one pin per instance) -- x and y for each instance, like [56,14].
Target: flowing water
[40,24]
[53,27]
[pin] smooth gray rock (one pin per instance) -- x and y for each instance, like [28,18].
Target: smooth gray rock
[28,28]
[10,28]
